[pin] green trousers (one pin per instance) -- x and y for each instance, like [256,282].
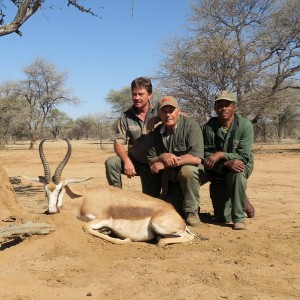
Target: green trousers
[229,196]
[181,187]
[151,183]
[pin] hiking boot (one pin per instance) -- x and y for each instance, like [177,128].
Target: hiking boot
[192,218]
[249,210]
[239,226]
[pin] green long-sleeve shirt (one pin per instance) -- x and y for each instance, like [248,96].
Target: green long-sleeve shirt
[236,142]
[186,139]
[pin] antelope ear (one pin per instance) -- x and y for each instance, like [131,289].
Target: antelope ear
[76,180]
[38,179]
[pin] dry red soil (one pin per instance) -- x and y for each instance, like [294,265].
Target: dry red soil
[262,262]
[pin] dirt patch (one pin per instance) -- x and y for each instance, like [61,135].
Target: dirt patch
[262,262]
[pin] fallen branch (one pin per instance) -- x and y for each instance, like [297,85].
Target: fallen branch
[20,232]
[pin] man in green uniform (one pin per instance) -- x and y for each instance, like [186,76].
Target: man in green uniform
[133,132]
[228,140]
[177,152]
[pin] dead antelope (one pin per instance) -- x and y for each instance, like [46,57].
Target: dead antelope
[129,215]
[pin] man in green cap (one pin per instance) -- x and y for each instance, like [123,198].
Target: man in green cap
[177,153]
[228,140]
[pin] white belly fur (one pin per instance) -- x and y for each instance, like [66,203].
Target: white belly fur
[136,230]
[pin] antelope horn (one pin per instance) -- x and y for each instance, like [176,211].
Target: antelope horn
[46,166]
[58,171]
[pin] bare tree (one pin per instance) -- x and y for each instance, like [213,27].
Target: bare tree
[262,128]
[27,8]
[12,112]
[85,123]
[43,90]
[102,124]
[219,53]
[278,42]
[56,122]
[286,110]
[74,131]
[183,75]
[250,47]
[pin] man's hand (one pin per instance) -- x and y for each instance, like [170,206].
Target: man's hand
[235,165]
[170,160]
[212,160]
[129,169]
[156,167]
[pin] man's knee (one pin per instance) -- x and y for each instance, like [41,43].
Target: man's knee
[237,178]
[188,171]
[112,162]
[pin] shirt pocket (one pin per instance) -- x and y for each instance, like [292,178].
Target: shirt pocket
[180,149]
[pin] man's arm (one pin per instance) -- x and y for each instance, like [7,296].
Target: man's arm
[194,144]
[160,161]
[244,148]
[120,149]
[233,161]
[169,160]
[129,169]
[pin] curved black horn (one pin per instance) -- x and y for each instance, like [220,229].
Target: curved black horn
[45,163]
[57,174]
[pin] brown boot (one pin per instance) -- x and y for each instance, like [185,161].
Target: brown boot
[192,218]
[239,226]
[249,209]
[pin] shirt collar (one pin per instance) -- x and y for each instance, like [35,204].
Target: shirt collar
[164,129]
[136,112]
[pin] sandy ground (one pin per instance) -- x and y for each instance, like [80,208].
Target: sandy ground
[262,262]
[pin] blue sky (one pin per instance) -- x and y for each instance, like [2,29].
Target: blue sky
[98,54]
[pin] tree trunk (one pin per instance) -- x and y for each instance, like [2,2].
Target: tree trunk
[32,142]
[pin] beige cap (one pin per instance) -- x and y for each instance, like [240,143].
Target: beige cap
[167,100]
[225,95]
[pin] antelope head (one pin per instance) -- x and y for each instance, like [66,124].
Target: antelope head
[55,185]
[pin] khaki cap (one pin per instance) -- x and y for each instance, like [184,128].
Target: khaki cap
[167,100]
[225,95]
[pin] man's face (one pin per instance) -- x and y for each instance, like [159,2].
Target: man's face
[169,116]
[225,109]
[140,97]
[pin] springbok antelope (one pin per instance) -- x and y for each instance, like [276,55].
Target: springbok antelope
[129,215]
